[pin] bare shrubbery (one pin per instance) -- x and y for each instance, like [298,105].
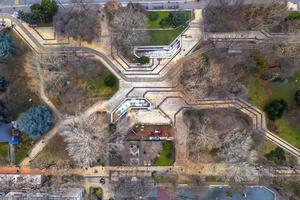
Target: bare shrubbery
[128,26]
[227,15]
[86,140]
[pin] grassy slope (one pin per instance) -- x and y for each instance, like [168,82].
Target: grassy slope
[262,92]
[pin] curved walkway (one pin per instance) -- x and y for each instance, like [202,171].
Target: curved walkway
[257,115]
[172,105]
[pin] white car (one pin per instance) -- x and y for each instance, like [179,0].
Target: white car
[15,14]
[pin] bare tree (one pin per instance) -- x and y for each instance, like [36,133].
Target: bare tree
[132,188]
[81,22]
[228,15]
[86,140]
[128,26]
[51,68]
[237,151]
[237,147]
[203,138]
[241,172]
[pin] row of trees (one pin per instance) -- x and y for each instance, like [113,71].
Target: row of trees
[82,22]
[227,15]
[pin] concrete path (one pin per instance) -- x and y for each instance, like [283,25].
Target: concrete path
[169,104]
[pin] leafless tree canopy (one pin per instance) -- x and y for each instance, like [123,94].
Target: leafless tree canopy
[86,140]
[80,22]
[128,26]
[132,188]
[228,15]
[209,130]
[241,172]
[202,77]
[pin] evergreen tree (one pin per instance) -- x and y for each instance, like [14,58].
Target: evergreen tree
[35,121]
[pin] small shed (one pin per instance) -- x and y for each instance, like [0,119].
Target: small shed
[9,134]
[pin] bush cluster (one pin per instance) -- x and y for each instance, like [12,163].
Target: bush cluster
[277,156]
[174,19]
[275,109]
[110,80]
[143,60]
[40,13]
[294,15]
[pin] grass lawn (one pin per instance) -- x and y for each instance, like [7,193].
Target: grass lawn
[167,156]
[162,15]
[98,88]
[3,153]
[54,152]
[261,92]
[23,148]
[164,37]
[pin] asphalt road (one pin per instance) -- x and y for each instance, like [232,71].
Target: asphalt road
[9,6]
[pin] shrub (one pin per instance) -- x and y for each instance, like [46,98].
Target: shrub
[110,80]
[275,109]
[152,16]
[3,84]
[277,156]
[167,21]
[294,15]
[35,122]
[30,17]
[297,97]
[179,18]
[143,60]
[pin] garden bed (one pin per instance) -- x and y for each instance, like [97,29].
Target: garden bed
[167,155]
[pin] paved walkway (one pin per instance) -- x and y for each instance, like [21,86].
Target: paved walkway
[162,96]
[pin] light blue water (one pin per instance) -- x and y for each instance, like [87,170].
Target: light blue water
[252,193]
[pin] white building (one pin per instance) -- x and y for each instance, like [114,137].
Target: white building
[293,5]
